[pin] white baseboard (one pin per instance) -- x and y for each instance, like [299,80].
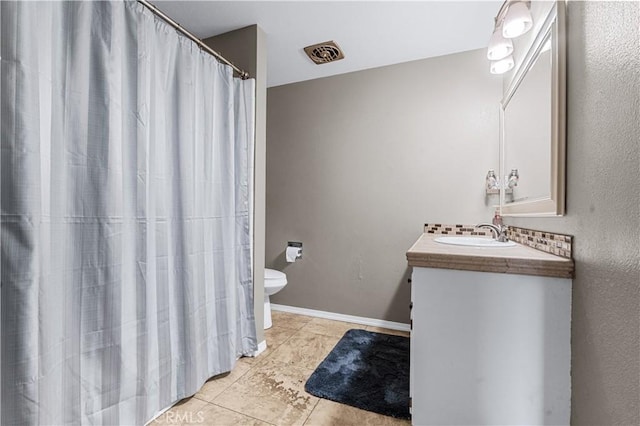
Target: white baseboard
[262,346]
[342,317]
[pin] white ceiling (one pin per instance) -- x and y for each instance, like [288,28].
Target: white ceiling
[371,33]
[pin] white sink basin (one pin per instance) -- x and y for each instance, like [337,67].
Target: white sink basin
[474,242]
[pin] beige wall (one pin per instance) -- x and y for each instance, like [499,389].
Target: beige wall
[603,210]
[247,49]
[357,163]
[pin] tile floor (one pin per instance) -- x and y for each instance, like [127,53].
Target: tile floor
[269,389]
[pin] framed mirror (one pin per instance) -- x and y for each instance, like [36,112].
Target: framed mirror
[532,126]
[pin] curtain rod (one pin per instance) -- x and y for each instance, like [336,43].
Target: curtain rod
[243,74]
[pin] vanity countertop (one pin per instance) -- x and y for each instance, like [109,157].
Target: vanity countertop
[518,259]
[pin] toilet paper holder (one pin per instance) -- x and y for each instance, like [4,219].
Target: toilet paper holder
[297,245]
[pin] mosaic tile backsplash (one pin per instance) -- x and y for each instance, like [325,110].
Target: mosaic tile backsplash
[558,244]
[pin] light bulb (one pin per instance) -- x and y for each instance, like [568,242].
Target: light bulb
[517,21]
[502,66]
[499,47]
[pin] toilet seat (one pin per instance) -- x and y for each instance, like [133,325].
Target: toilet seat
[273,278]
[272,274]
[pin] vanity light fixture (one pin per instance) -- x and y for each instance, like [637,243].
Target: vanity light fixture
[517,20]
[513,20]
[499,47]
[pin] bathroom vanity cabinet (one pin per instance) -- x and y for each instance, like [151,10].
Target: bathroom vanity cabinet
[490,339]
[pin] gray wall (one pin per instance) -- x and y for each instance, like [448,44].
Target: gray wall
[603,210]
[247,49]
[357,163]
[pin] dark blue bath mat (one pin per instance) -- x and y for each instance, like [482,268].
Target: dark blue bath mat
[366,370]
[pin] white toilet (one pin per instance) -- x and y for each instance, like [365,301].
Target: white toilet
[274,281]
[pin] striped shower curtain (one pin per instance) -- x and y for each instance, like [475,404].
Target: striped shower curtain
[126,193]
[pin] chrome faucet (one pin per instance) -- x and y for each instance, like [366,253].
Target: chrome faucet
[499,231]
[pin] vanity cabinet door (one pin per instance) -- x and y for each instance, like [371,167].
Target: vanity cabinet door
[489,348]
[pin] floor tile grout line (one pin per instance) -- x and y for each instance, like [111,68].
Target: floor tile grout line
[226,387]
[285,340]
[243,414]
[311,412]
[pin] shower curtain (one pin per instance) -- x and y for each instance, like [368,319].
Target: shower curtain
[126,214]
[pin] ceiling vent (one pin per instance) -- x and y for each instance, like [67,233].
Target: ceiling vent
[323,53]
